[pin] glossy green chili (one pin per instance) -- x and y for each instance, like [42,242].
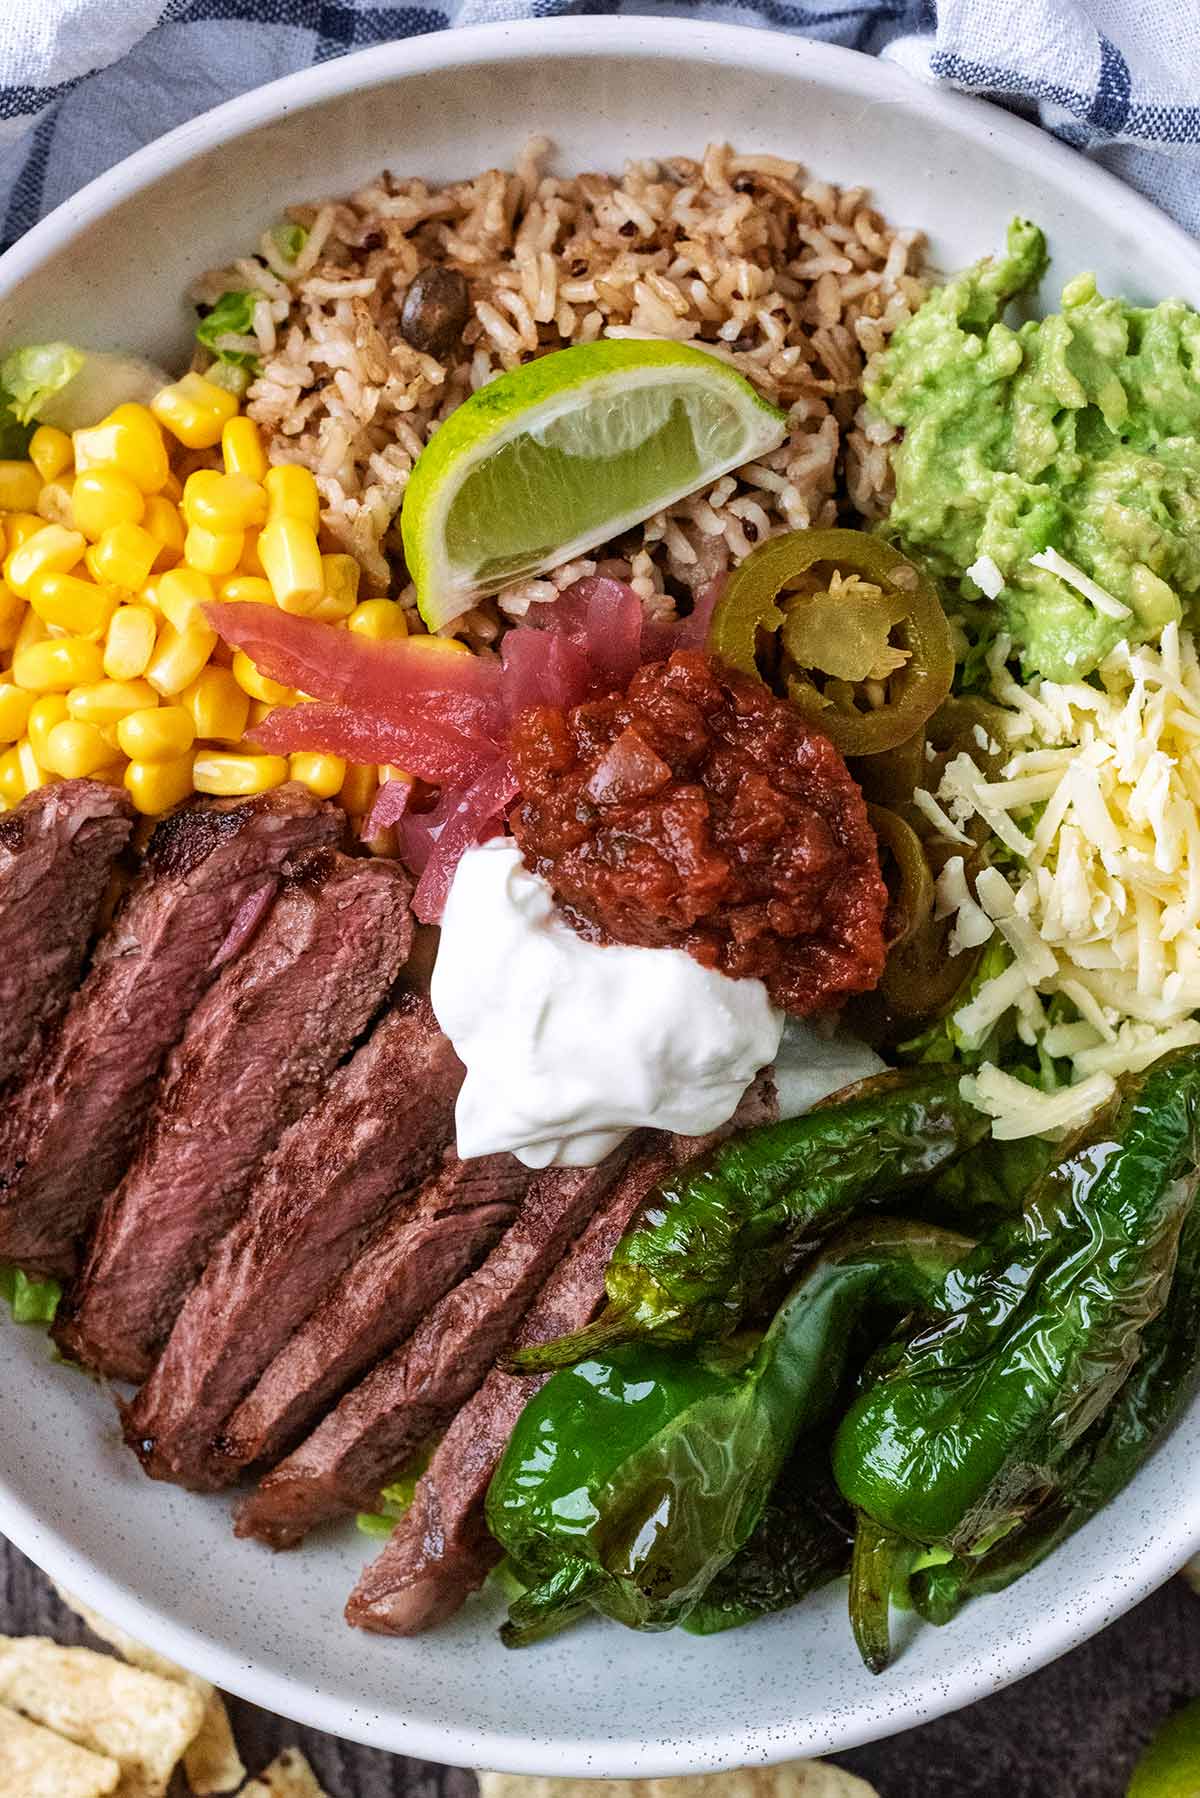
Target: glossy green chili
[752,604]
[906,872]
[716,1238]
[958,1441]
[633,1478]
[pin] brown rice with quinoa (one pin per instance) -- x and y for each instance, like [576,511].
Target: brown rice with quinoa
[796,283]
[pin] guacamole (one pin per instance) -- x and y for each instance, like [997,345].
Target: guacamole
[1079,432]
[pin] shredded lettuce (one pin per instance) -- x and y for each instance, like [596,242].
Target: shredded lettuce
[943,1041]
[32,375]
[30,1301]
[395,1499]
[233,313]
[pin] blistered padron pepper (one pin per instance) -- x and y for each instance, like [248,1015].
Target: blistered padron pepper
[718,1236]
[844,635]
[634,1477]
[962,1436]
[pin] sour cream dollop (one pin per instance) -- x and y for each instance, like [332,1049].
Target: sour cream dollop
[570,1045]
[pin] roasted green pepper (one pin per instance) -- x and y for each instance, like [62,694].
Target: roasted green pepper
[633,1478]
[720,1235]
[844,635]
[906,872]
[962,1436]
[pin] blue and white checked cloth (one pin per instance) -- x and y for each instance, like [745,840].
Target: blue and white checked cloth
[84,82]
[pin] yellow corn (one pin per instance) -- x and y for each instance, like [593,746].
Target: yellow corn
[44,714]
[129,439]
[19,527]
[75,750]
[223,502]
[165,525]
[12,612]
[218,707]
[358,789]
[12,786]
[156,786]
[50,452]
[341,588]
[30,630]
[124,556]
[194,410]
[178,658]
[56,501]
[258,686]
[160,735]
[15,707]
[288,551]
[180,593]
[212,552]
[33,772]
[242,449]
[20,484]
[3,535]
[102,497]
[69,604]
[251,562]
[321,774]
[227,773]
[130,642]
[259,709]
[106,702]
[380,619]
[246,590]
[440,645]
[51,548]
[57,665]
[292,493]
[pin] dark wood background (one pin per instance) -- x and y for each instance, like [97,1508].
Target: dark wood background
[1071,1731]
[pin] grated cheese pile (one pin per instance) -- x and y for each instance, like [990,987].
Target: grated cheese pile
[1099,807]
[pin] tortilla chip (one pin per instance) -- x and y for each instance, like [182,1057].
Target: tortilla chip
[288,1776]
[139,1720]
[212,1763]
[35,1763]
[791,1779]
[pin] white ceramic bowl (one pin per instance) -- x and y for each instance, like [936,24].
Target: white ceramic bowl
[110,268]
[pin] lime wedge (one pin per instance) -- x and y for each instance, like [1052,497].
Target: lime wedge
[1170,1767]
[566,452]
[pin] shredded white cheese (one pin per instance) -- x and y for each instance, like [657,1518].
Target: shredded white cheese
[1104,602]
[986,576]
[1100,809]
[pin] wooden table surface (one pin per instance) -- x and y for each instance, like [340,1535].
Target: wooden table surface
[1071,1731]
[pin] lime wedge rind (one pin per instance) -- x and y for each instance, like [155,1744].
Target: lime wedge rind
[566,453]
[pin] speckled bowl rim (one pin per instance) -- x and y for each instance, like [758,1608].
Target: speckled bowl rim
[1178,1536]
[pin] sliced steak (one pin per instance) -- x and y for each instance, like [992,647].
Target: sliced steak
[67,1134]
[57,851]
[419,1387]
[458,1217]
[441,1551]
[372,1137]
[255,1054]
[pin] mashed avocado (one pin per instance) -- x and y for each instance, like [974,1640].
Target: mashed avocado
[1078,432]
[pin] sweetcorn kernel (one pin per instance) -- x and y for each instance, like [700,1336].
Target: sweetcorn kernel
[15,707]
[194,410]
[155,787]
[106,702]
[13,611]
[159,735]
[380,619]
[31,629]
[251,562]
[129,439]
[50,452]
[342,575]
[124,556]
[223,502]
[165,524]
[321,774]
[242,449]
[227,773]
[75,750]
[68,603]
[20,484]
[178,657]
[292,493]
[130,642]
[288,550]
[212,552]
[440,645]
[57,665]
[19,527]
[56,501]
[33,772]
[102,497]
[181,593]
[51,548]
[44,714]
[359,788]
[246,590]
[259,686]
[218,707]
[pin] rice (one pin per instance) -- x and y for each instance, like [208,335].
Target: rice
[795,284]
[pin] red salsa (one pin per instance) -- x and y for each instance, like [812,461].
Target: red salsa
[697,811]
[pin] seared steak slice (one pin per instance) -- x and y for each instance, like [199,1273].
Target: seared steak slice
[441,1551]
[256,1052]
[57,850]
[371,1138]
[459,1215]
[67,1134]
[419,1387]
